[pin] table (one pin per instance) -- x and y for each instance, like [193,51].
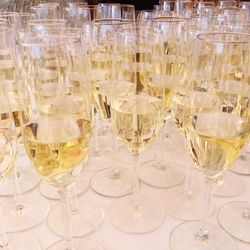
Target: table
[112,239]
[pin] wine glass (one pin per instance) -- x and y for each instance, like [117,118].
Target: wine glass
[215,136]
[8,149]
[45,11]
[159,172]
[136,119]
[112,181]
[26,211]
[57,134]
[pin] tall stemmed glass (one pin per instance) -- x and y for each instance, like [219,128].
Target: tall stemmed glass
[215,136]
[57,134]
[26,211]
[113,181]
[160,172]
[136,120]
[8,148]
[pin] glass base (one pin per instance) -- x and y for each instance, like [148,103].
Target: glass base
[28,179]
[15,219]
[22,242]
[85,220]
[241,166]
[161,174]
[231,220]
[51,192]
[183,238]
[79,244]
[183,206]
[125,217]
[110,184]
[231,186]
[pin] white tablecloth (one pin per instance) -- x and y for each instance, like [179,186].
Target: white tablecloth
[112,239]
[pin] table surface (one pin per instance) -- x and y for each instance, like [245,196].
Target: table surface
[113,239]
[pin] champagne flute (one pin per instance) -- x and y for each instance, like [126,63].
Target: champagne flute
[136,120]
[8,148]
[112,181]
[86,214]
[57,134]
[159,172]
[19,211]
[216,136]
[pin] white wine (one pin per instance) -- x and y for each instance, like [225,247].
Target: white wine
[102,92]
[163,86]
[136,120]
[183,103]
[101,101]
[7,151]
[215,140]
[58,146]
[138,73]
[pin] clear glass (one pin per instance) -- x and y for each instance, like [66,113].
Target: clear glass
[56,135]
[45,11]
[160,172]
[19,212]
[8,154]
[136,119]
[210,131]
[113,181]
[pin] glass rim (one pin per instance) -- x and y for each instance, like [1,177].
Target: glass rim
[47,21]
[205,37]
[116,4]
[112,21]
[170,19]
[36,40]
[44,7]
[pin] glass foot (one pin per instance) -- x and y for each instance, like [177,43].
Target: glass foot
[161,174]
[231,186]
[18,218]
[241,166]
[183,238]
[184,206]
[113,184]
[232,221]
[125,217]
[22,242]
[28,179]
[79,244]
[51,192]
[86,218]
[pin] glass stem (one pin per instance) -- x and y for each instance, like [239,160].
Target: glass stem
[114,169]
[66,213]
[74,203]
[19,207]
[202,234]
[136,182]
[188,184]
[246,212]
[96,140]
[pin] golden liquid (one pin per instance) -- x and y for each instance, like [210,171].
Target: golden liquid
[138,73]
[136,120]
[182,104]
[162,86]
[58,146]
[215,140]
[101,99]
[7,151]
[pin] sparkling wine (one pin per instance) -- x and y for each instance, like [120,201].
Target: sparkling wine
[215,139]
[58,146]
[136,120]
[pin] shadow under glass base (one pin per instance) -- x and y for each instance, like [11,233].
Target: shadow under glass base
[127,218]
[113,184]
[87,218]
[78,244]
[161,174]
[183,237]
[231,219]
